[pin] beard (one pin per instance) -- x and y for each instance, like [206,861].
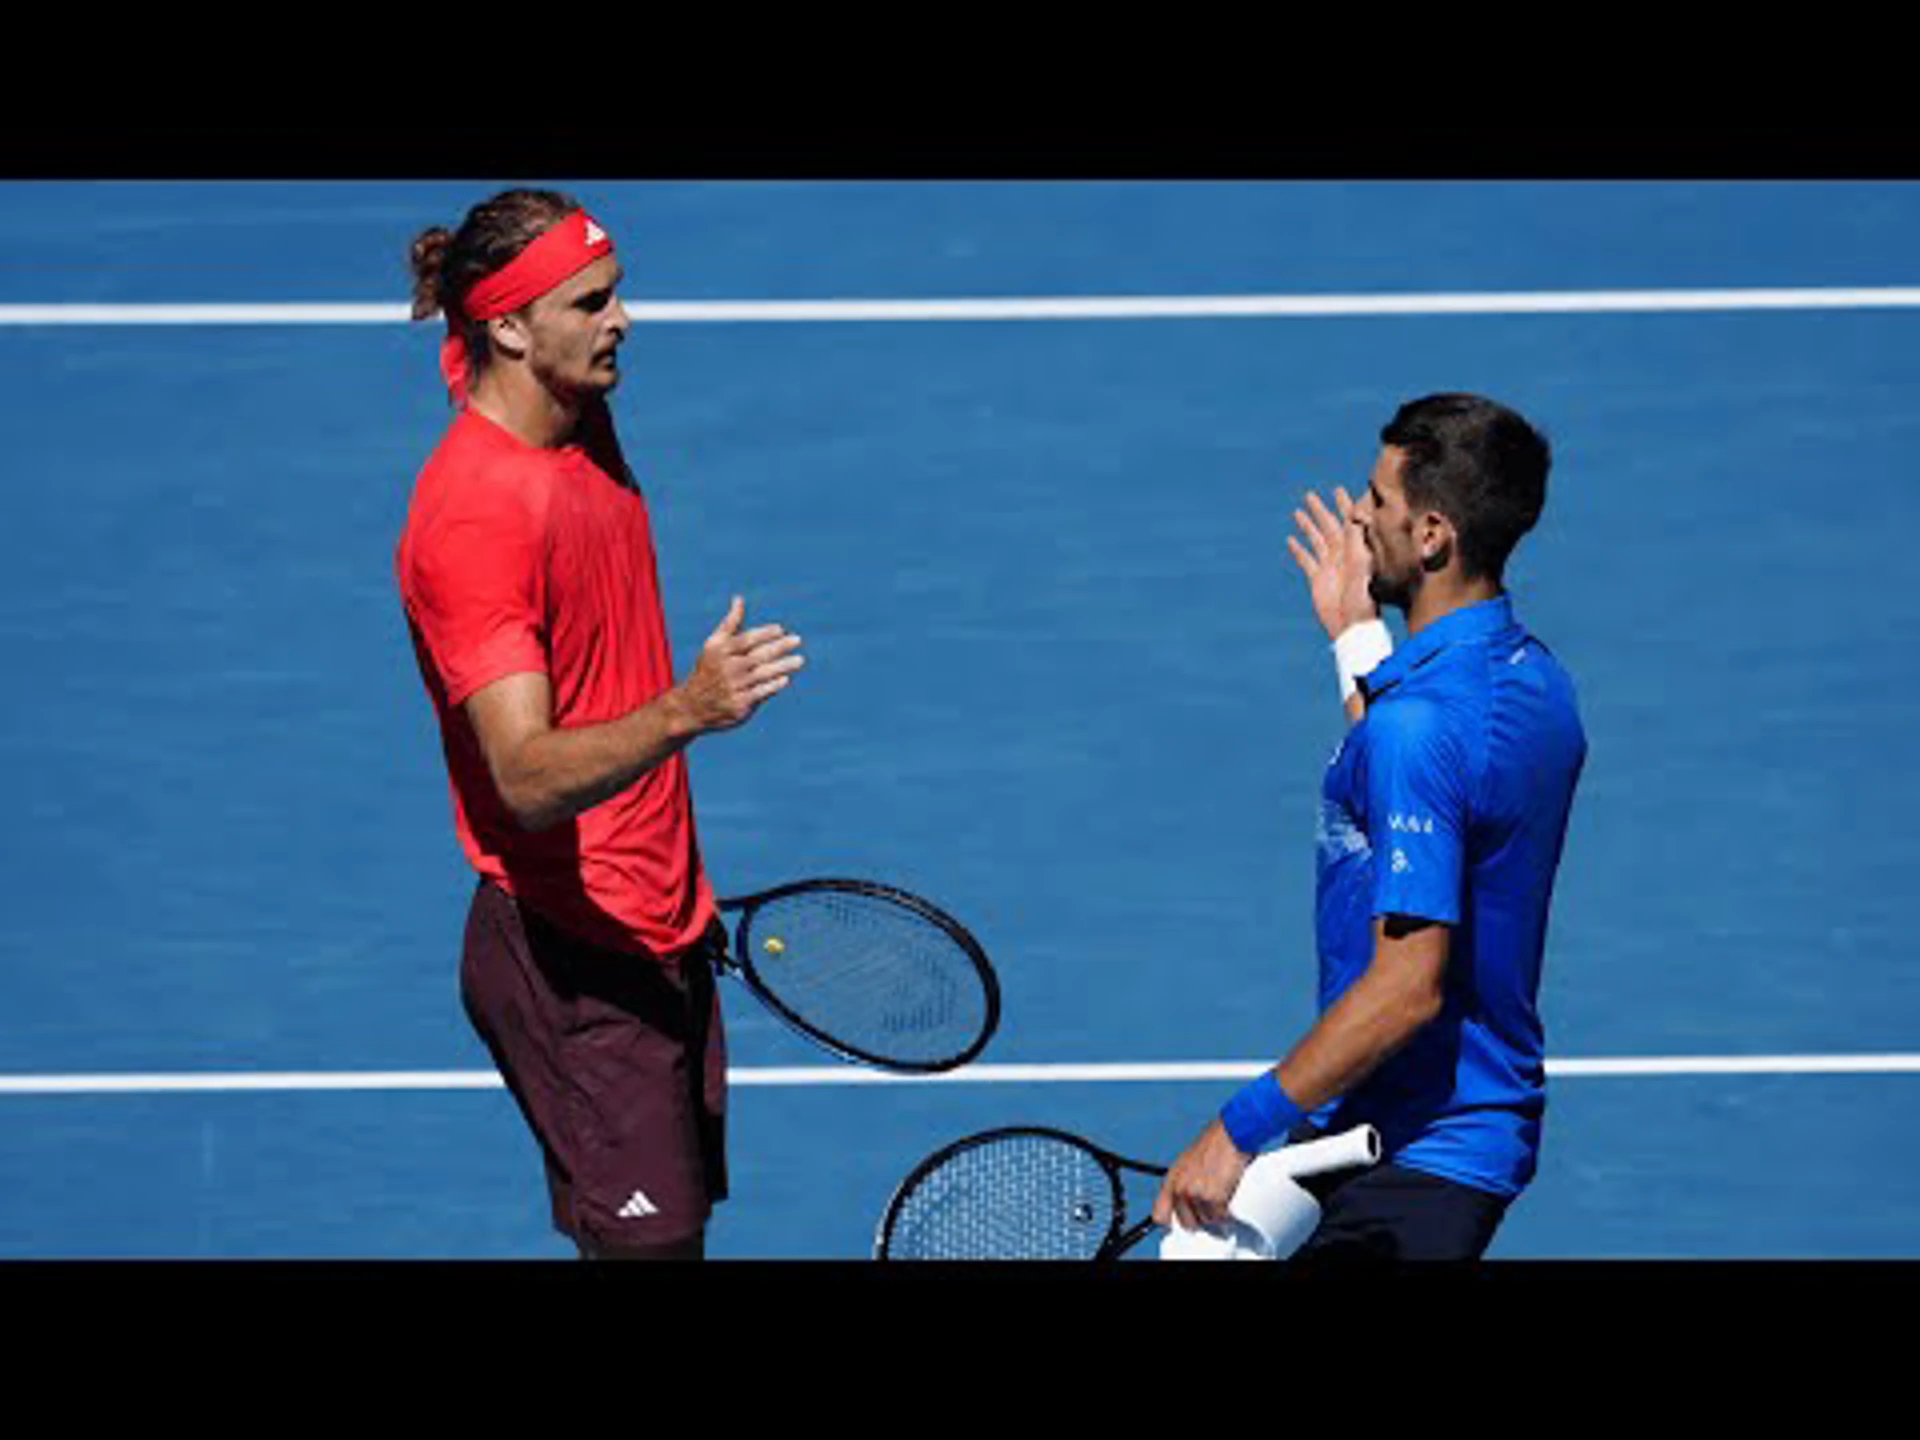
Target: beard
[1394,590]
[580,382]
[602,377]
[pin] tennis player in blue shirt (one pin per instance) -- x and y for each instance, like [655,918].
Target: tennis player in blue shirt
[1443,815]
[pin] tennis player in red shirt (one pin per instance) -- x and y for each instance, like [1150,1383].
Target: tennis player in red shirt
[526,569]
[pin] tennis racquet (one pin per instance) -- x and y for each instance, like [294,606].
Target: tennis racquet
[868,972]
[1028,1192]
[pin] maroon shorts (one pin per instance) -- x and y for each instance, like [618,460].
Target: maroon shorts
[618,1062]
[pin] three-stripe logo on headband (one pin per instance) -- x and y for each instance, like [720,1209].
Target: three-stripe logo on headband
[594,233]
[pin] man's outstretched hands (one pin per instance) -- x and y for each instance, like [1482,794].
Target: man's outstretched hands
[739,670]
[1335,561]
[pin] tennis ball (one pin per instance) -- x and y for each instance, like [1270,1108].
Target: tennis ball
[773,945]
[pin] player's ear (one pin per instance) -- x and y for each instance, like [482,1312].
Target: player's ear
[509,335]
[1436,539]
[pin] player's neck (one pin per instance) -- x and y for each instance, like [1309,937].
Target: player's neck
[519,404]
[1444,593]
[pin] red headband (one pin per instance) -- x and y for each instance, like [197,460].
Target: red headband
[563,249]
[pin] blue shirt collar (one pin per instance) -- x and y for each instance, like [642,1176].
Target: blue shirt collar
[1469,622]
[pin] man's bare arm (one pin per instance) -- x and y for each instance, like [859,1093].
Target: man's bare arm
[546,775]
[1401,991]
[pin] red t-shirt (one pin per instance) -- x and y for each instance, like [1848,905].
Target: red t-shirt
[518,559]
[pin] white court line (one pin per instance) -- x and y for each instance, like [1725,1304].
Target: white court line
[1055,308]
[1096,307]
[395,1080]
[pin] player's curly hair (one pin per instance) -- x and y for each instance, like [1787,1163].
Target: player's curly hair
[445,263]
[1478,463]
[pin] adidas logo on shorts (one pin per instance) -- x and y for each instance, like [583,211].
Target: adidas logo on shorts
[638,1206]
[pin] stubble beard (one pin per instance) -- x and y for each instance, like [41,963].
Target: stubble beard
[1388,591]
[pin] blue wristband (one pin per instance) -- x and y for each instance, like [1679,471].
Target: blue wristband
[1259,1114]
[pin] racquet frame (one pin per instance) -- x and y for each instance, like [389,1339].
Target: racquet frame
[1120,1236]
[738,961]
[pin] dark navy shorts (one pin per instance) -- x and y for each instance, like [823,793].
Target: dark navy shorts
[618,1063]
[1391,1212]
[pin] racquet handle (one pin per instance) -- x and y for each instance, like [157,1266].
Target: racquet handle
[1271,1214]
[1350,1148]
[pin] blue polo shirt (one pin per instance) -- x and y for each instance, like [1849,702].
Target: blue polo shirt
[1449,802]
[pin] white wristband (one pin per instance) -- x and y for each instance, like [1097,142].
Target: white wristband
[1358,649]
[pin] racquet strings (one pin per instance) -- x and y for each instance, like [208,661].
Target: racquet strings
[1014,1197]
[869,973]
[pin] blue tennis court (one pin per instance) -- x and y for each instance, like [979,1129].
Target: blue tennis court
[1062,678]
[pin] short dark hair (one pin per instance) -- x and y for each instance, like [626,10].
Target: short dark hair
[1479,464]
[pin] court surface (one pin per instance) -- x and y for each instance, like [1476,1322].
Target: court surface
[1062,678]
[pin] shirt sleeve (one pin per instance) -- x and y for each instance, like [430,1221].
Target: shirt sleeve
[1416,811]
[474,590]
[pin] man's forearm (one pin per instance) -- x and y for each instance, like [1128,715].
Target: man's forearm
[554,775]
[1377,1016]
[547,774]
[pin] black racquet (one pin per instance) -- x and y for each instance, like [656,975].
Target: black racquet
[1024,1192]
[869,972]
[1027,1192]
